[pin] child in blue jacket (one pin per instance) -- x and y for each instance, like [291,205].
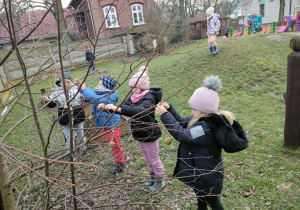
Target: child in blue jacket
[202,137]
[105,93]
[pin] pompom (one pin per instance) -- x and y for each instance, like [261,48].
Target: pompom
[142,69]
[213,82]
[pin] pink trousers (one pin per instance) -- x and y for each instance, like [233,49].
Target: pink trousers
[150,152]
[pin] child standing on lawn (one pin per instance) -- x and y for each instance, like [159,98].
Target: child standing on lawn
[105,93]
[89,57]
[140,106]
[227,31]
[202,137]
[58,98]
[213,27]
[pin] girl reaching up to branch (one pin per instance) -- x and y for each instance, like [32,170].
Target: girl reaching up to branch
[141,107]
[202,137]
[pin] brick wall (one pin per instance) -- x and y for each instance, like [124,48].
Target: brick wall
[124,14]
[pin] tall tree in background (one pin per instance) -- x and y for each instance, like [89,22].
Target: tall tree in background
[191,7]
[281,12]
[65,35]
[225,7]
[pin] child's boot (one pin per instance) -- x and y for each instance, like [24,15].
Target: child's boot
[126,157]
[210,49]
[158,184]
[150,182]
[215,49]
[84,151]
[119,167]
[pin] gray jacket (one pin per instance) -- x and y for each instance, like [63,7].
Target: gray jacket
[59,98]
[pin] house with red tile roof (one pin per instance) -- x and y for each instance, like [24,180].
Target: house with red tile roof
[24,22]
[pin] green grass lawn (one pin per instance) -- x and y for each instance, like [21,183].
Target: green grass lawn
[253,70]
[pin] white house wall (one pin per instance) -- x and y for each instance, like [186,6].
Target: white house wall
[271,9]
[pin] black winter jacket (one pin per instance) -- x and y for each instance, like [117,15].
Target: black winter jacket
[88,55]
[144,125]
[63,117]
[199,161]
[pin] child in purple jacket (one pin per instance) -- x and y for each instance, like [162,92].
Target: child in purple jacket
[213,27]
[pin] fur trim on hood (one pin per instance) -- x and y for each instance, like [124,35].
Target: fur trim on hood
[231,138]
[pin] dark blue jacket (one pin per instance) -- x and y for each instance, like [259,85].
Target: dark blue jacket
[106,96]
[144,125]
[88,55]
[199,161]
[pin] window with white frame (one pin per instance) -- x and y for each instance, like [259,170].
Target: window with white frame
[110,13]
[137,14]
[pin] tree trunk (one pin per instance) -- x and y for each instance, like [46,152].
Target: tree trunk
[64,33]
[281,12]
[182,19]
[7,201]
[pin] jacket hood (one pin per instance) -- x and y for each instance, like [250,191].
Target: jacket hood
[232,138]
[100,91]
[57,84]
[215,15]
[157,92]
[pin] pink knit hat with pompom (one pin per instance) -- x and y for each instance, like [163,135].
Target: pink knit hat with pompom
[141,79]
[206,99]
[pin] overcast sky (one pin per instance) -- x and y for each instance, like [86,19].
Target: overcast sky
[65,3]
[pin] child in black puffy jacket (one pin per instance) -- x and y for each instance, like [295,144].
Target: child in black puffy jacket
[202,137]
[141,107]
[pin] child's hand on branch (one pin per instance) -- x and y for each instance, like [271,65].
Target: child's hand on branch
[101,106]
[77,82]
[160,110]
[108,107]
[165,105]
[46,99]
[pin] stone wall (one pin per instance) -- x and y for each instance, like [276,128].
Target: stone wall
[46,58]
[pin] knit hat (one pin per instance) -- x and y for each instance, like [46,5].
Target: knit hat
[86,48]
[108,82]
[142,78]
[210,11]
[67,75]
[206,99]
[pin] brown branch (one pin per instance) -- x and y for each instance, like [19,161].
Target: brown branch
[43,158]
